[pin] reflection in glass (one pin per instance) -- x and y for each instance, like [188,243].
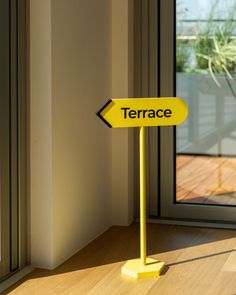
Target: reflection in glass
[205,78]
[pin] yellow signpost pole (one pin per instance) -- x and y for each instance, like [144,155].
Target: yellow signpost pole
[142,157]
[143,112]
[143,267]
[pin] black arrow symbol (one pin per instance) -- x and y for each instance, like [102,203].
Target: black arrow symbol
[98,113]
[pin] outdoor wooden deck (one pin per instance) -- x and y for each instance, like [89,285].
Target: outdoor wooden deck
[210,180]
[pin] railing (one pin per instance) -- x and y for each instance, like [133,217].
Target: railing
[211,125]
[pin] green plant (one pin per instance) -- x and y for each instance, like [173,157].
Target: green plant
[215,48]
[222,58]
[182,44]
[203,48]
[182,55]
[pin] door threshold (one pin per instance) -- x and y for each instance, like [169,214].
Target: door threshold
[194,223]
[15,278]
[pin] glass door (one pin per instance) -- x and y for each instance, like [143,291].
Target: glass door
[197,49]
[9,139]
[4,140]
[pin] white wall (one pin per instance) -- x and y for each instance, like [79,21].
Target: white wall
[122,86]
[81,66]
[40,133]
[79,166]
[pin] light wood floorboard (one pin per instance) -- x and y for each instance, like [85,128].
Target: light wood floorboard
[195,260]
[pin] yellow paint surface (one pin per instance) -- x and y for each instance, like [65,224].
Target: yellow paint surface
[135,269]
[137,112]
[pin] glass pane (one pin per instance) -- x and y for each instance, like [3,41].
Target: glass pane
[206,79]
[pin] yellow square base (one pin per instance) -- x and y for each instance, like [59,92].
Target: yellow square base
[134,268]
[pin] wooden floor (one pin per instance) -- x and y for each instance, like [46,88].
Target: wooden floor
[199,261]
[210,180]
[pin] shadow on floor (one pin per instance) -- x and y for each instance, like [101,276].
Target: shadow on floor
[122,243]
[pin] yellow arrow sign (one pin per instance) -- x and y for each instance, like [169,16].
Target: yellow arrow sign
[137,112]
